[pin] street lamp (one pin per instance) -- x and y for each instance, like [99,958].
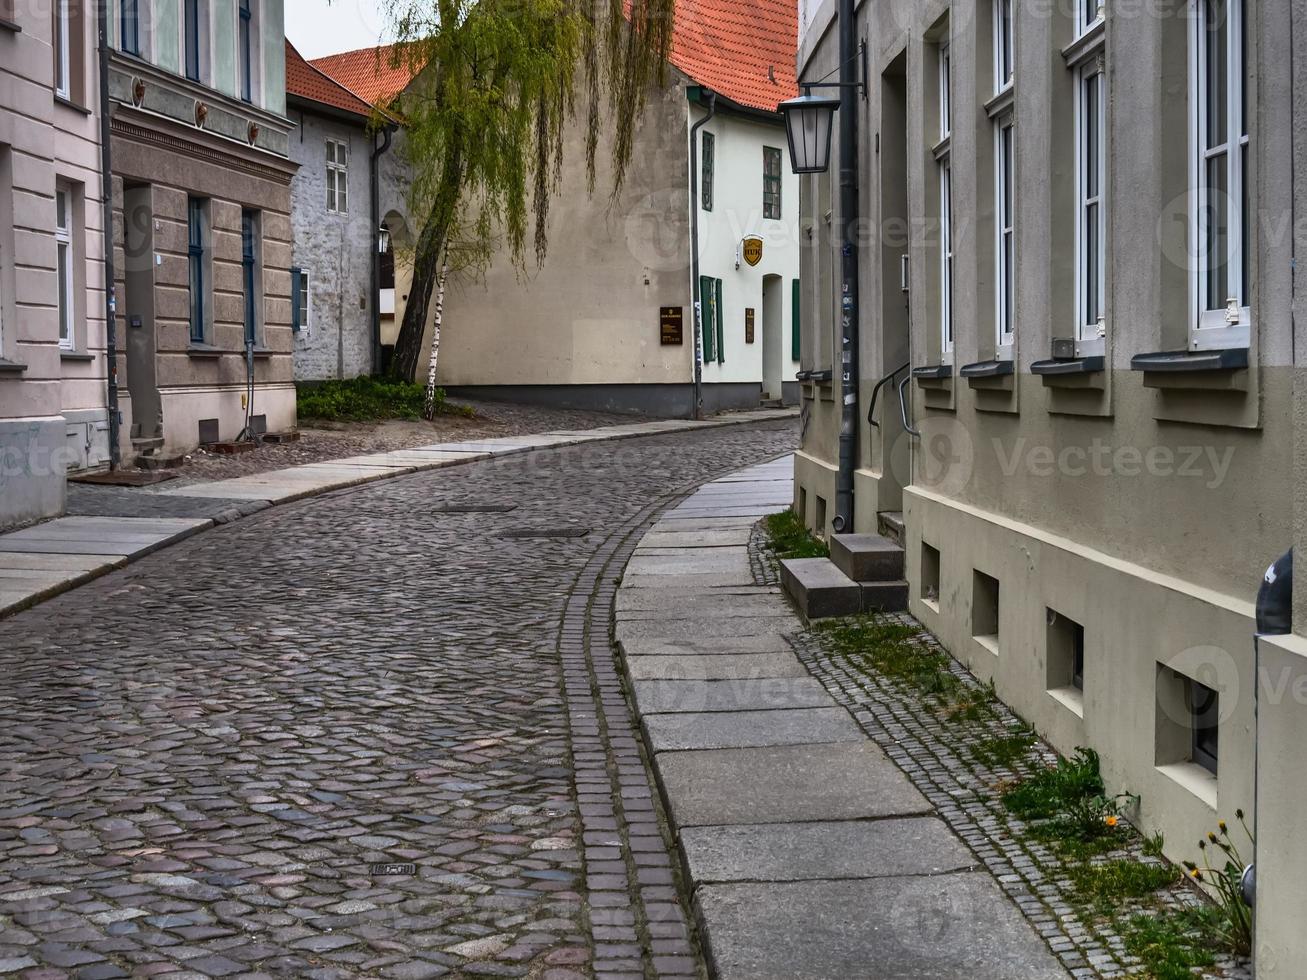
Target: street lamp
[809,120]
[383,240]
[808,124]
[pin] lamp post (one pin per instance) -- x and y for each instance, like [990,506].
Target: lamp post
[808,124]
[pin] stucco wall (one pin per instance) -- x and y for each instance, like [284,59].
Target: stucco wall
[737,213]
[1144,511]
[52,399]
[590,315]
[334,249]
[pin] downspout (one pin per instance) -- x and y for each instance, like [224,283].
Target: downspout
[694,249]
[110,288]
[850,63]
[375,178]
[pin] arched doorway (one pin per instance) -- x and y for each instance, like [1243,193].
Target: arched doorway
[773,336]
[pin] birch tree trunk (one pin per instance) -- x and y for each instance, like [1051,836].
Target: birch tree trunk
[430,412]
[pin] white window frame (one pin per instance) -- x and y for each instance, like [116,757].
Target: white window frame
[65,256]
[1090,332]
[945,172]
[305,303]
[1229,327]
[1088,14]
[1005,188]
[1004,45]
[63,57]
[337,176]
[945,91]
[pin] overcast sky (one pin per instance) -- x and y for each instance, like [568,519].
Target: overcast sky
[317,27]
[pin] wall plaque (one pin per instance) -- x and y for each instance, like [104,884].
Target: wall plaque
[748,325]
[671,326]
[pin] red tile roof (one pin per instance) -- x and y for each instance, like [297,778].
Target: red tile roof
[368,72]
[745,50]
[307,82]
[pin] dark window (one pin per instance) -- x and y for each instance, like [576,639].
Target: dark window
[796,321]
[708,316]
[195,210]
[1077,656]
[249,246]
[191,26]
[129,26]
[709,145]
[771,182]
[1204,714]
[245,69]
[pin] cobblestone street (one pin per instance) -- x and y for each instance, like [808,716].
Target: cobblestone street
[205,756]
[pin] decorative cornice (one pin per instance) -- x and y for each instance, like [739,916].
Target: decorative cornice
[153,135]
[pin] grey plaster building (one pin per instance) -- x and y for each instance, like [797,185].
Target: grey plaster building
[1081,256]
[335,243]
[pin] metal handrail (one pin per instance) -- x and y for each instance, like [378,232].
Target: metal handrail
[875,393]
[903,409]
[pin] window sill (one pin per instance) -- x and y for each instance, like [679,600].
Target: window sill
[1088,44]
[933,372]
[1061,367]
[984,370]
[1002,102]
[1194,778]
[9,25]
[11,367]
[1071,698]
[203,350]
[72,355]
[988,642]
[70,104]
[263,353]
[1219,370]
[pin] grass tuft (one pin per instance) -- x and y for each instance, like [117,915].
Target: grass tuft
[790,538]
[367,400]
[1171,945]
[1003,751]
[1110,884]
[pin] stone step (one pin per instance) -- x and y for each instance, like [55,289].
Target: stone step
[146,447]
[891,525]
[884,596]
[819,589]
[867,557]
[152,462]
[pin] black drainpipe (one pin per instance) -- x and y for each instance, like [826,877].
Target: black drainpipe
[694,248]
[377,151]
[106,189]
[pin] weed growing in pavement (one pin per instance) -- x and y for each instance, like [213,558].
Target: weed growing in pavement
[367,400]
[1117,882]
[788,537]
[1224,882]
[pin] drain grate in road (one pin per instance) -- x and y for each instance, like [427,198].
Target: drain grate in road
[380,870]
[456,508]
[546,532]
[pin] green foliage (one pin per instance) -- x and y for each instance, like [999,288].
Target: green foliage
[1172,944]
[789,538]
[1223,879]
[1109,884]
[363,400]
[1070,798]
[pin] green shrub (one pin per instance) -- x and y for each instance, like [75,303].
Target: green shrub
[363,400]
[791,539]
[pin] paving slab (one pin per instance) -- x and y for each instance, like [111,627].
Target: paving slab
[643,646]
[737,694]
[785,784]
[738,537]
[692,561]
[947,927]
[729,666]
[675,597]
[743,729]
[711,607]
[824,849]
[710,580]
[703,627]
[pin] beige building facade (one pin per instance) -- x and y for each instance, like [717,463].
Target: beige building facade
[202,177]
[1078,229]
[53,416]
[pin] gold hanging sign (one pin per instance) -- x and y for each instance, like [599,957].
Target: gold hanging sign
[753,250]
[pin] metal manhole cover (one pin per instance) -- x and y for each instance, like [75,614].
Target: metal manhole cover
[379,870]
[475,508]
[546,532]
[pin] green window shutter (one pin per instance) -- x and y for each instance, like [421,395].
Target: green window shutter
[707,316]
[721,333]
[295,300]
[796,334]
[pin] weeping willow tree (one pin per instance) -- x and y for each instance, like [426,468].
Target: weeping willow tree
[496,83]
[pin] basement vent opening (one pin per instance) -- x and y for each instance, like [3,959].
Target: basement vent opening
[546,532]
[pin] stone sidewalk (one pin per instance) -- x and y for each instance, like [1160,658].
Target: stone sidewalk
[40,562]
[809,853]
